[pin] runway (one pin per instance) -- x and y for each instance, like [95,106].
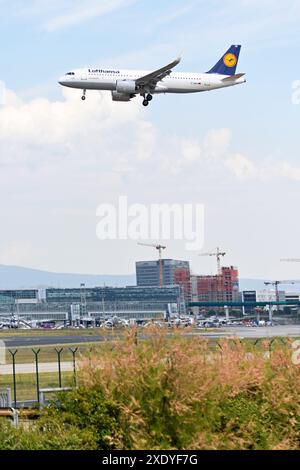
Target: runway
[32,341]
[241,332]
[244,332]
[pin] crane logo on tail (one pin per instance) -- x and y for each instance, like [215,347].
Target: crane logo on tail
[230,60]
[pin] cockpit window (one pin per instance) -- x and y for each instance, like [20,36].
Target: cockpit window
[70,73]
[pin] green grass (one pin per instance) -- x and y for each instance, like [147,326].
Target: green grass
[25,355]
[26,383]
[102,333]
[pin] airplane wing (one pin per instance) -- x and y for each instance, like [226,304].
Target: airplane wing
[153,78]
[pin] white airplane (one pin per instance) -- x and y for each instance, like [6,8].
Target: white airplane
[126,84]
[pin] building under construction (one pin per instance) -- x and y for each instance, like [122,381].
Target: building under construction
[223,287]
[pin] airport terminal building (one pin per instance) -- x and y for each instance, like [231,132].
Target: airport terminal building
[91,304]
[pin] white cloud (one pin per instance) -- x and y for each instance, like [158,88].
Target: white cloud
[255,24]
[41,121]
[191,150]
[146,140]
[216,142]
[245,169]
[84,12]
[242,167]
[178,13]
[58,14]
[108,136]
[60,159]
[41,125]
[290,172]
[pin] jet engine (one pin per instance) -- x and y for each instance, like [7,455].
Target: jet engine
[120,96]
[126,86]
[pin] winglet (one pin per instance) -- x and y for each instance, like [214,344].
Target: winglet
[180,56]
[177,61]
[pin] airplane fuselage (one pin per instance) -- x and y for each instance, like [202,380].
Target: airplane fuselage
[176,82]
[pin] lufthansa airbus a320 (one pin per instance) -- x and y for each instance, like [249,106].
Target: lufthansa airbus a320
[126,84]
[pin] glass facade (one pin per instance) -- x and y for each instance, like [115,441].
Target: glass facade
[249,296]
[12,295]
[59,303]
[147,272]
[113,294]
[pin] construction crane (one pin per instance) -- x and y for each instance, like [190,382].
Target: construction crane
[218,254]
[276,285]
[160,249]
[290,260]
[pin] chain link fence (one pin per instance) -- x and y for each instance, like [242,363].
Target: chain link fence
[31,375]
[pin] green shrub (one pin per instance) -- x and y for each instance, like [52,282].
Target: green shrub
[88,409]
[173,393]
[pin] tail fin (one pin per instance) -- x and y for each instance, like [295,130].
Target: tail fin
[228,63]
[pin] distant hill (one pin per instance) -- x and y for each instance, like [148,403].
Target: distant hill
[15,277]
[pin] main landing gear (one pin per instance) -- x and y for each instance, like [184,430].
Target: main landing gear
[147,99]
[83,96]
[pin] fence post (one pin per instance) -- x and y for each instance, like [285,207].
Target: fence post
[219,345]
[59,351]
[274,340]
[74,351]
[36,353]
[13,355]
[235,341]
[270,346]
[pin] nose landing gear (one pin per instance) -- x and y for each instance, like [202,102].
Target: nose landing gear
[84,95]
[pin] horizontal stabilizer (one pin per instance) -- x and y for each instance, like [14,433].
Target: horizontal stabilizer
[232,78]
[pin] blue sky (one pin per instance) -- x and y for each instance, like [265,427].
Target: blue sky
[56,169]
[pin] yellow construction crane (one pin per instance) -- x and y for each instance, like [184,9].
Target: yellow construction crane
[160,249]
[218,254]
